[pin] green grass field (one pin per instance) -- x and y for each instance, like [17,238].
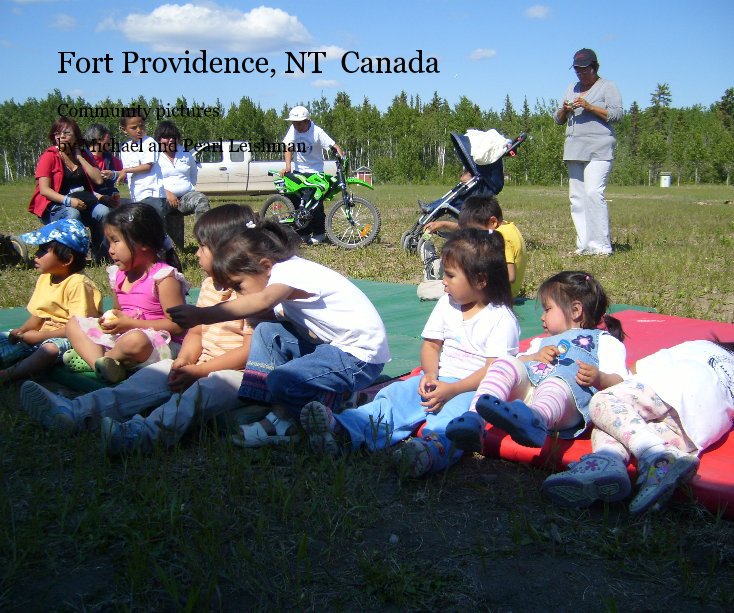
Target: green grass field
[207,526]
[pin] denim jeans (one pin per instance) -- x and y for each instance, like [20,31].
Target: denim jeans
[92,218]
[290,371]
[396,413]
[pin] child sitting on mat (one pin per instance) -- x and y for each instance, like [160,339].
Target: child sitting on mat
[556,376]
[144,283]
[679,402]
[472,325]
[62,291]
[332,342]
[201,383]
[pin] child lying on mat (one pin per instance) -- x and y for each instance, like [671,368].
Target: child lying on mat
[679,402]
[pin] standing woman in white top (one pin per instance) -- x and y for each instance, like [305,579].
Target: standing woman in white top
[180,172]
[590,107]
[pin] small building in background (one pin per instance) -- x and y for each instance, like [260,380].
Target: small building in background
[364,173]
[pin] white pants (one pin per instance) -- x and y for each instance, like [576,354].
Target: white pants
[589,211]
[174,413]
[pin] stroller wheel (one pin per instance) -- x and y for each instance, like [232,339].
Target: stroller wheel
[409,241]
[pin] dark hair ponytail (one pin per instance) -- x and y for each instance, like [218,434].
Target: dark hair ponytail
[246,246]
[571,286]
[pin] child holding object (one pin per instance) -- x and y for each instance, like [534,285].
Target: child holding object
[485,213]
[548,387]
[136,331]
[679,402]
[201,383]
[470,327]
[62,291]
[331,343]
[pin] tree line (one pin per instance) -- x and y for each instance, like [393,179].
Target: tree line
[409,142]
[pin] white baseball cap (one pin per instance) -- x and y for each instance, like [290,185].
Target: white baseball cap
[298,113]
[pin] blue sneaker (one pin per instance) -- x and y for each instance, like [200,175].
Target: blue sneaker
[52,411]
[418,457]
[466,431]
[122,438]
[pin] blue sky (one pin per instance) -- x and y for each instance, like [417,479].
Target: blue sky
[485,49]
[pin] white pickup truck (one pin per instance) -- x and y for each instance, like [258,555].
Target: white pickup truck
[229,167]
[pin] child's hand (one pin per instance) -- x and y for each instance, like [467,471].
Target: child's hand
[31,337]
[588,375]
[182,378]
[172,199]
[427,384]
[434,399]
[15,336]
[185,315]
[107,174]
[115,321]
[547,354]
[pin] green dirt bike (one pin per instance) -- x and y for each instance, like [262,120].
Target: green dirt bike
[351,222]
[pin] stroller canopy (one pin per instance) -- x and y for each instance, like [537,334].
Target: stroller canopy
[492,175]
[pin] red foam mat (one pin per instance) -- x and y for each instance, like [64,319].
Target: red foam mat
[713,485]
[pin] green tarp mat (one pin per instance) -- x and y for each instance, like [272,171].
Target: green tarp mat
[404,316]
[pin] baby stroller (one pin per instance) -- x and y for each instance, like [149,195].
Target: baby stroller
[486,179]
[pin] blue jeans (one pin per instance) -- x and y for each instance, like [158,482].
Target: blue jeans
[396,412]
[92,218]
[290,371]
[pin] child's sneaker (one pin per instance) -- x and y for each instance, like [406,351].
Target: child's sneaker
[418,457]
[120,438]
[52,411]
[110,370]
[318,422]
[74,362]
[593,477]
[659,475]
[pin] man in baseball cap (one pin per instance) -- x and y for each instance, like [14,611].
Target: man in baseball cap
[308,141]
[583,58]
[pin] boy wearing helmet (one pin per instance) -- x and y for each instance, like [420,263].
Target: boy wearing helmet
[308,141]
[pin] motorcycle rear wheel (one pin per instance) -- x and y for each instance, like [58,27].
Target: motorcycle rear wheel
[278,208]
[355,226]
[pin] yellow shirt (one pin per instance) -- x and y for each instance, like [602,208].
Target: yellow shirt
[514,253]
[55,303]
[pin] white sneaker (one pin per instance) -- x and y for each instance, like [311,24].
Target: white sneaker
[659,476]
[593,477]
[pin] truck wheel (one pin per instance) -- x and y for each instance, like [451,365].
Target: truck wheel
[350,227]
[279,209]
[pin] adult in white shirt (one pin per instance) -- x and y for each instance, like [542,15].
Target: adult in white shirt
[308,141]
[179,172]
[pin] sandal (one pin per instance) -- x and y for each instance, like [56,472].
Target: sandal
[271,430]
[74,362]
[465,431]
[110,370]
[516,418]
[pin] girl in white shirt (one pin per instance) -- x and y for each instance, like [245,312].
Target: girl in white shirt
[471,326]
[331,343]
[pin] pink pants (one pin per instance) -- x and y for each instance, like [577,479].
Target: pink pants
[631,418]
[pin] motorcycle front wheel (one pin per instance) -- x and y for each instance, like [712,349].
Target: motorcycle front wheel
[353,226]
[278,208]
